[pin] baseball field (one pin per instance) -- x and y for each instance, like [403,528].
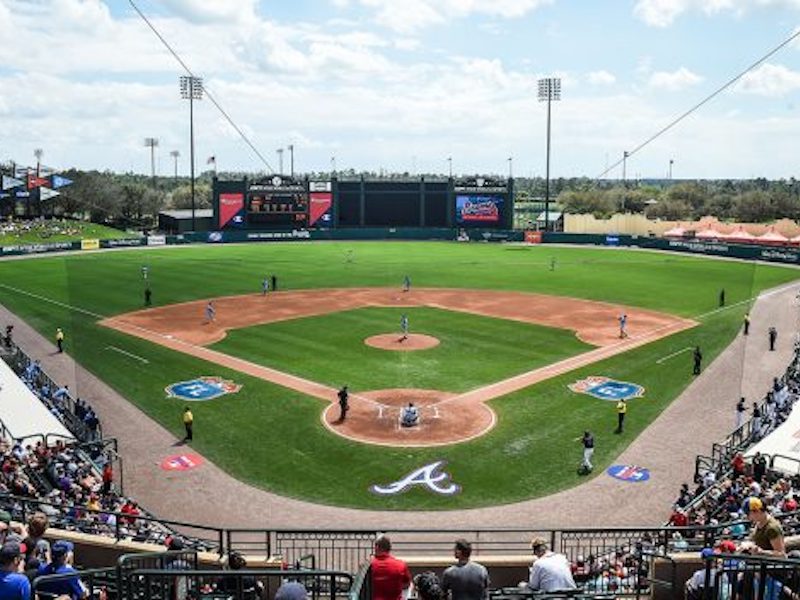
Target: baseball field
[512,327]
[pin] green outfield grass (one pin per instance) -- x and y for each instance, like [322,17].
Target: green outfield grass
[473,350]
[273,438]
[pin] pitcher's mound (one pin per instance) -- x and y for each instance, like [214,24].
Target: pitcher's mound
[394,341]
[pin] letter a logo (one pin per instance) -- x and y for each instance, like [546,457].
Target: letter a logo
[429,476]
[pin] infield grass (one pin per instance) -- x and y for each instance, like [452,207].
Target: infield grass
[531,451]
[473,350]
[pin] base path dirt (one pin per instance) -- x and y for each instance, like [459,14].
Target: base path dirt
[183,327]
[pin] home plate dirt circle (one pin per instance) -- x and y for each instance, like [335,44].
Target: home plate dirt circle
[374,418]
[395,341]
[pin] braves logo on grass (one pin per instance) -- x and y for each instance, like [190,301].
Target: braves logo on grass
[429,476]
[607,389]
[202,388]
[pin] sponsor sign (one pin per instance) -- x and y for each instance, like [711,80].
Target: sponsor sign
[215,236]
[36,248]
[202,389]
[123,243]
[230,206]
[430,477]
[605,388]
[533,237]
[90,244]
[629,473]
[612,240]
[156,240]
[320,205]
[320,186]
[280,235]
[181,462]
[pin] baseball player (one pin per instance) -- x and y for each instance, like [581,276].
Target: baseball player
[587,441]
[265,286]
[623,323]
[406,283]
[404,327]
[211,312]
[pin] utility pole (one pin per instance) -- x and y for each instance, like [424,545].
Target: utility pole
[151,143]
[549,91]
[280,160]
[175,154]
[291,160]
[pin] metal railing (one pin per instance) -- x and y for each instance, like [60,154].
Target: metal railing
[746,577]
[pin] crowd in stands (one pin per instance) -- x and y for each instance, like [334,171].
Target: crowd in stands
[78,416]
[40,227]
[718,494]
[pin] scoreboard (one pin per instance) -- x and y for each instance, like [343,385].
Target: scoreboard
[277,202]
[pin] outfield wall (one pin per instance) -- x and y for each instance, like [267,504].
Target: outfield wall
[787,255]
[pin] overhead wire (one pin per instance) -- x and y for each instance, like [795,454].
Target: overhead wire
[707,99]
[208,93]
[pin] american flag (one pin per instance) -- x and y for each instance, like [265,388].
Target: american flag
[212,160]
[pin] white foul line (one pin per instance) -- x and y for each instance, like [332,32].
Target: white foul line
[661,360]
[126,353]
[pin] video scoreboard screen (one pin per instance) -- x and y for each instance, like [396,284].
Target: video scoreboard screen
[278,201]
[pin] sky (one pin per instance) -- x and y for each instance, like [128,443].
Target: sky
[401,85]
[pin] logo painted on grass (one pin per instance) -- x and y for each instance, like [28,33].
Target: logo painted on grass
[428,476]
[629,473]
[202,388]
[607,389]
[181,462]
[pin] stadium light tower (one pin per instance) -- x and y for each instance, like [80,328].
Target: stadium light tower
[290,147]
[152,143]
[450,164]
[191,90]
[549,91]
[38,153]
[671,162]
[175,154]
[510,167]
[280,160]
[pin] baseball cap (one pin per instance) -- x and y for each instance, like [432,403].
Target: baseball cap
[10,551]
[706,553]
[727,547]
[61,548]
[5,516]
[291,590]
[752,503]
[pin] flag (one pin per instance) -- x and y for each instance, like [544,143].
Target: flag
[59,181]
[11,182]
[212,160]
[35,182]
[47,193]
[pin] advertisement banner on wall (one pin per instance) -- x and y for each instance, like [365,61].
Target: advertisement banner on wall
[478,211]
[90,244]
[320,209]
[533,237]
[156,240]
[231,209]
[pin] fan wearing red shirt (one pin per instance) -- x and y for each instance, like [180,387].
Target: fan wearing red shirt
[390,575]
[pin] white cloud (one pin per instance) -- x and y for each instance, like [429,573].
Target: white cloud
[411,15]
[770,80]
[662,13]
[210,11]
[674,81]
[601,77]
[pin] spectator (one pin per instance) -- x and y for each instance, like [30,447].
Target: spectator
[550,572]
[35,544]
[466,580]
[767,534]
[61,562]
[759,467]
[250,587]
[428,587]
[291,590]
[390,576]
[13,584]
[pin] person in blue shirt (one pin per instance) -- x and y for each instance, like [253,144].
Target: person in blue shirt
[13,584]
[62,556]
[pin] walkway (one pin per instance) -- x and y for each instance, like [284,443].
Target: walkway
[702,414]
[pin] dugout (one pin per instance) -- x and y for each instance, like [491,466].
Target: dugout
[284,203]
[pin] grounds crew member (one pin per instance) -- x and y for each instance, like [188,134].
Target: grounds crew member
[773,335]
[60,339]
[698,360]
[747,323]
[188,421]
[622,408]
[344,405]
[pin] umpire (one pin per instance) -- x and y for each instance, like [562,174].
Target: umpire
[344,404]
